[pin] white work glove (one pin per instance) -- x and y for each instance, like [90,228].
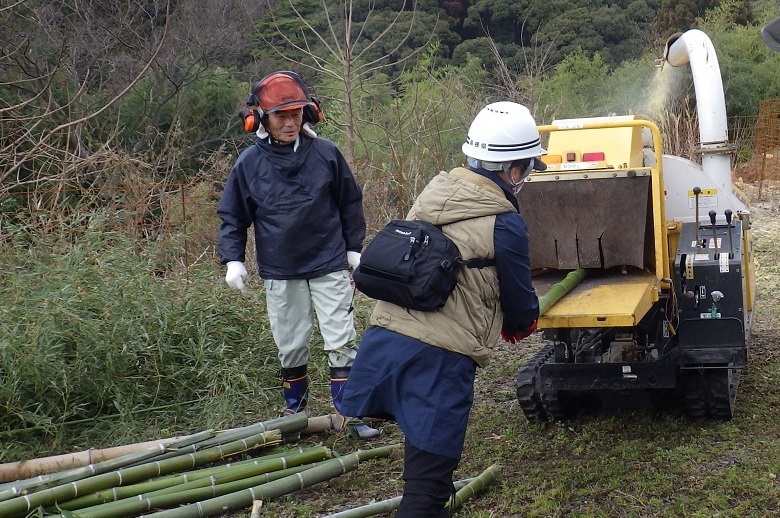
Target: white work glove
[236,275]
[353,258]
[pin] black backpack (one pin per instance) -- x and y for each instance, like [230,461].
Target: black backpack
[412,264]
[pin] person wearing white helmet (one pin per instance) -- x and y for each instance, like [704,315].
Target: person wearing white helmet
[504,133]
[418,367]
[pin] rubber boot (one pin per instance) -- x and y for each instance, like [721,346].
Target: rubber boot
[295,387]
[349,425]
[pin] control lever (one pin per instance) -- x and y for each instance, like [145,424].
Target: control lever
[696,192]
[728,221]
[713,215]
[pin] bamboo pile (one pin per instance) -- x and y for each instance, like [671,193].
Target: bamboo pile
[183,477]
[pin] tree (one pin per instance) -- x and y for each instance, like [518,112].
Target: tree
[750,70]
[343,46]
[54,91]
[618,30]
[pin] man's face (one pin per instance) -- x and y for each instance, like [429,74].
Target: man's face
[284,125]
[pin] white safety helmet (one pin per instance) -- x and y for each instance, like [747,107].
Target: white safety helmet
[501,133]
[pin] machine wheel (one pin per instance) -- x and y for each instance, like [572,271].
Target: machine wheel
[711,393]
[527,389]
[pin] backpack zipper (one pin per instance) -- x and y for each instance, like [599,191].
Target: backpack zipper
[423,247]
[409,250]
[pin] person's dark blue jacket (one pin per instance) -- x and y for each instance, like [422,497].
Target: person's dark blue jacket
[306,207]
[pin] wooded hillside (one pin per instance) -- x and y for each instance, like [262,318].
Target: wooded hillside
[93,91]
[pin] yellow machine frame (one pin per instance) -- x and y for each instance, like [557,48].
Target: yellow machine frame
[622,299]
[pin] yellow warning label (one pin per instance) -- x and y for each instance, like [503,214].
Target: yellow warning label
[704,192]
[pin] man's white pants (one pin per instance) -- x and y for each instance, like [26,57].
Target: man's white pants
[290,303]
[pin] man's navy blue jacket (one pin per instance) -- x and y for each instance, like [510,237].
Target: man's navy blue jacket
[306,207]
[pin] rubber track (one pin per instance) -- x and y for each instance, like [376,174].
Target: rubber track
[711,393]
[527,388]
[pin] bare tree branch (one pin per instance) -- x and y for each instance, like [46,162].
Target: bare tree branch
[343,59]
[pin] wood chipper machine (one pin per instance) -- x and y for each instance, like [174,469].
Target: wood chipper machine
[663,246]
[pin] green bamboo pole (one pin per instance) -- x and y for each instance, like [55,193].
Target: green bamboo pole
[21,505]
[186,445]
[11,472]
[134,506]
[18,487]
[242,499]
[383,506]
[560,289]
[198,478]
[287,424]
[479,484]
[116,493]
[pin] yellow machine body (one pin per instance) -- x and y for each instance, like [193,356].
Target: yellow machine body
[643,262]
[599,210]
[603,214]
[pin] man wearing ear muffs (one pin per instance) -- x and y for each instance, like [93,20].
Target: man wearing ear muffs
[306,207]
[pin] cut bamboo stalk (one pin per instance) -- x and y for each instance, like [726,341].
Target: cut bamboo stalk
[383,506]
[242,499]
[17,472]
[169,480]
[21,505]
[50,480]
[134,506]
[319,424]
[287,424]
[11,471]
[201,478]
[479,484]
[560,289]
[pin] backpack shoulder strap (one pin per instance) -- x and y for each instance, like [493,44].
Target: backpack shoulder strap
[478,262]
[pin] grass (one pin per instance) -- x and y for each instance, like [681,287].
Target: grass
[100,346]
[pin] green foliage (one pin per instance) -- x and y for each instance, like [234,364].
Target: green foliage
[209,105]
[680,15]
[475,48]
[575,88]
[286,19]
[90,327]
[604,29]
[385,33]
[750,71]
[617,30]
[202,106]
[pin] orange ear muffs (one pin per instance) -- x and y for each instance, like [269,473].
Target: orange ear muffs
[312,113]
[251,118]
